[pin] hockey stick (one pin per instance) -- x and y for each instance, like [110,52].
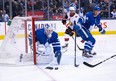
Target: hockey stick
[90,65]
[75,53]
[75,38]
[77,44]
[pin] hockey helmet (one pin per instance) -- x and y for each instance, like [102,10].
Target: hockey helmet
[72,11]
[97,8]
[48,29]
[71,8]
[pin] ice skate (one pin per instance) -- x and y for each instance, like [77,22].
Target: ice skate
[92,53]
[86,54]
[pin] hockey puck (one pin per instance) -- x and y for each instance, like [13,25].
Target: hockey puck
[56,68]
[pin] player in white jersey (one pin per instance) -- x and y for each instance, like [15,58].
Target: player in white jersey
[69,20]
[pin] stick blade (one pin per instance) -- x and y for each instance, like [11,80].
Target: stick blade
[81,49]
[76,65]
[89,65]
[50,68]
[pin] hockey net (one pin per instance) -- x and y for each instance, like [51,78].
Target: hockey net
[15,47]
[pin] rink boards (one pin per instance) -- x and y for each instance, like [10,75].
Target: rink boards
[108,25]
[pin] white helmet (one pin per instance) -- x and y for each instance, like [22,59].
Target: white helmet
[48,30]
[72,8]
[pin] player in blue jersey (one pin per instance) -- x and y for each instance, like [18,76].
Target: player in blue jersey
[47,36]
[83,27]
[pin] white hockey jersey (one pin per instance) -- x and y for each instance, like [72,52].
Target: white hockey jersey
[72,20]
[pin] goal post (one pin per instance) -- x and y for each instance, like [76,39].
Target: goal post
[15,48]
[16,42]
[47,56]
[34,46]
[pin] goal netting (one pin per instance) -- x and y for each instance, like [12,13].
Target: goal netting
[15,47]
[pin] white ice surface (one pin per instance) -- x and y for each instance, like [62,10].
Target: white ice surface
[105,47]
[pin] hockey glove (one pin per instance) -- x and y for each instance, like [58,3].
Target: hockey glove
[58,56]
[77,35]
[69,31]
[82,41]
[64,21]
[101,30]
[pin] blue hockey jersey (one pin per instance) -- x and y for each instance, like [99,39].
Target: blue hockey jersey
[43,39]
[89,20]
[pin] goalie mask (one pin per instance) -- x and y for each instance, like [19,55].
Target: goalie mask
[48,30]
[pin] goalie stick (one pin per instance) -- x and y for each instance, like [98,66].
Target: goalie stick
[90,65]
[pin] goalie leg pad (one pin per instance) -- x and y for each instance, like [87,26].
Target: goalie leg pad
[40,49]
[46,56]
